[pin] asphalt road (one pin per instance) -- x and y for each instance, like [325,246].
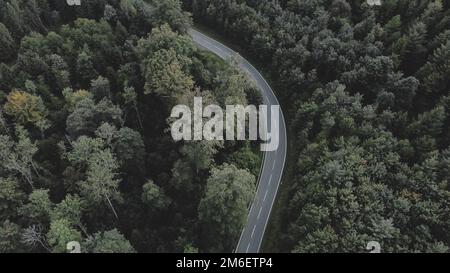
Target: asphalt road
[273,165]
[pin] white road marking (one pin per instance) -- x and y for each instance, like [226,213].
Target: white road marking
[247,247]
[270,179]
[273,166]
[253,232]
[259,214]
[265,195]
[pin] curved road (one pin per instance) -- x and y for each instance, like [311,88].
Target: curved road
[273,165]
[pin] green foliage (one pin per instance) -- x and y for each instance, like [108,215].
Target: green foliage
[170,11]
[60,234]
[11,197]
[165,75]
[109,242]
[85,67]
[102,184]
[129,146]
[7,50]
[364,91]
[83,149]
[88,116]
[190,249]
[72,98]
[17,157]
[223,209]
[154,196]
[100,88]
[165,67]
[200,154]
[80,132]
[245,158]
[230,86]
[39,206]
[10,237]
[70,209]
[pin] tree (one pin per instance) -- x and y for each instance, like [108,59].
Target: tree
[170,11]
[7,50]
[39,206]
[190,249]
[31,58]
[100,88]
[110,13]
[223,209]
[435,70]
[165,76]
[10,238]
[415,48]
[74,97]
[166,59]
[11,197]
[25,108]
[106,111]
[109,242]
[88,116]
[13,19]
[81,120]
[392,31]
[33,236]
[85,68]
[245,158]
[154,196]
[6,77]
[200,154]
[102,184]
[60,72]
[107,132]
[230,86]
[71,211]
[163,37]
[320,241]
[60,234]
[341,8]
[183,177]
[129,147]
[31,17]
[17,157]
[83,149]
[130,98]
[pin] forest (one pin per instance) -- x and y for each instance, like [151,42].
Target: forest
[365,90]
[85,147]
[85,152]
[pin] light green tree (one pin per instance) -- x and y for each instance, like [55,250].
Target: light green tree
[102,182]
[111,241]
[61,232]
[223,210]
[154,197]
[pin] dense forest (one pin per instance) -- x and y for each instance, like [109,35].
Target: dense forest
[85,150]
[366,93]
[86,154]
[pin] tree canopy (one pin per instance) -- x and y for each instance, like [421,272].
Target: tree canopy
[85,150]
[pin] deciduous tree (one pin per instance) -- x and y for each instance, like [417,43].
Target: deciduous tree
[223,209]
